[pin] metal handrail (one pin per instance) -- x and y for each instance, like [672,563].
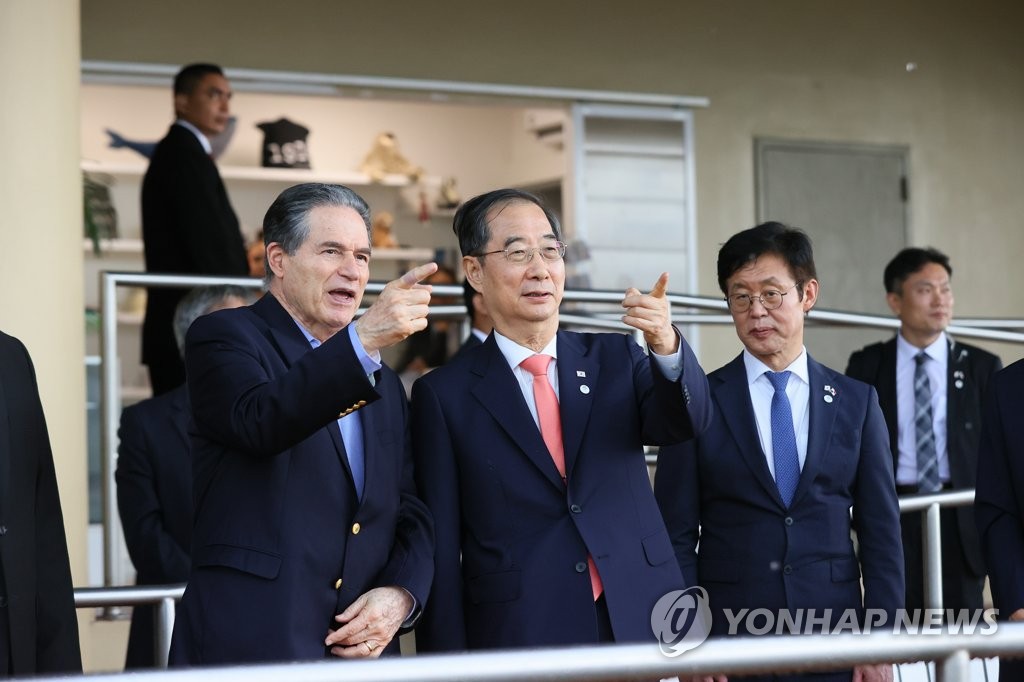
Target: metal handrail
[952,653]
[163,596]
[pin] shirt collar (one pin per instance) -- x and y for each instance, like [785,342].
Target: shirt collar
[515,354]
[936,350]
[755,368]
[203,140]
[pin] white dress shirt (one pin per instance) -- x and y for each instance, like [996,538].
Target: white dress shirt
[797,390]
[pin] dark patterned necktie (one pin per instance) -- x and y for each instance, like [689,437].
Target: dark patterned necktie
[927,459]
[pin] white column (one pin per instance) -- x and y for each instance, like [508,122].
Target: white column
[41,299]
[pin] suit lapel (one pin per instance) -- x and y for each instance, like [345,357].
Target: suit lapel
[5,443]
[732,396]
[292,345]
[885,384]
[822,420]
[574,395]
[958,376]
[499,393]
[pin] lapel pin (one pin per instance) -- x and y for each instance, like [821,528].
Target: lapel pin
[580,373]
[584,389]
[828,398]
[958,383]
[831,391]
[958,374]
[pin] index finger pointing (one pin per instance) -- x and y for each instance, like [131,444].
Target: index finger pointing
[414,276]
[660,286]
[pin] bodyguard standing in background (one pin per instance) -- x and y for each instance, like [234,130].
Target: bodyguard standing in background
[188,225]
[930,388]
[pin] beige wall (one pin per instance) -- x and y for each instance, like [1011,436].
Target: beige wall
[828,71]
[41,233]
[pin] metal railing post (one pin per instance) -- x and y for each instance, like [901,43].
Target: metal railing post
[932,532]
[954,668]
[163,616]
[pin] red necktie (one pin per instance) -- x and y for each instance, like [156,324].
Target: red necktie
[551,431]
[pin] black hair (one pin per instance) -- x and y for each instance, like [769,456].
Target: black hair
[907,262]
[189,77]
[790,244]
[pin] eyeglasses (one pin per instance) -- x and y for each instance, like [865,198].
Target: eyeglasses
[769,299]
[516,254]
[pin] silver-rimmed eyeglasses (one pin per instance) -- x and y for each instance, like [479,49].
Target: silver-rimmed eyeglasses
[550,252]
[770,299]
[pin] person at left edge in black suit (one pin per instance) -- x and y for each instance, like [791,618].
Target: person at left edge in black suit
[154,478]
[38,626]
[309,538]
[188,225]
[952,381]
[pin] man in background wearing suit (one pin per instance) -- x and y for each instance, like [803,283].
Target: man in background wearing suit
[529,451]
[930,388]
[999,500]
[766,491]
[188,225]
[154,478]
[480,323]
[38,626]
[306,513]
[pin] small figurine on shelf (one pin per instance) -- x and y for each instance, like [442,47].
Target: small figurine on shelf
[424,213]
[449,197]
[385,159]
[383,238]
[218,142]
[284,144]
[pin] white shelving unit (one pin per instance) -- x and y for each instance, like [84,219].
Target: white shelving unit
[251,190]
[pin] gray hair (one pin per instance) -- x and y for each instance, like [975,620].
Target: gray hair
[287,219]
[199,302]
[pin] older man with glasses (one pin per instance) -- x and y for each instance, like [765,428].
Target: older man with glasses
[529,451]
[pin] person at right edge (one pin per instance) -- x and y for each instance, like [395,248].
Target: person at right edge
[930,388]
[759,506]
[188,225]
[999,500]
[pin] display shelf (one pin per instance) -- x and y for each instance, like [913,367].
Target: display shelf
[260,174]
[135,246]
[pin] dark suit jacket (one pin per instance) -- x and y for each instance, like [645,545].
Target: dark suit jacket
[523,535]
[154,498]
[281,542]
[756,553]
[971,367]
[999,498]
[188,227]
[471,342]
[35,573]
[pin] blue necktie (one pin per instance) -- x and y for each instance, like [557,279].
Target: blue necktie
[787,462]
[924,432]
